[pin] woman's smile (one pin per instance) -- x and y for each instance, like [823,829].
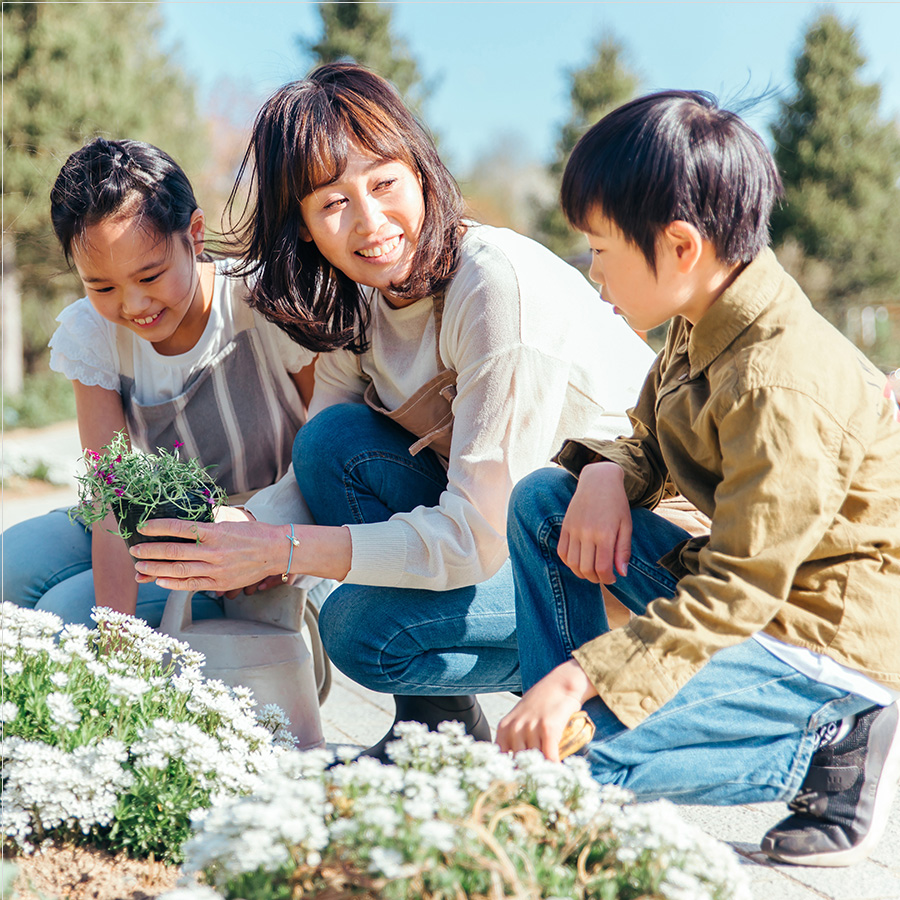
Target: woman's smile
[382,250]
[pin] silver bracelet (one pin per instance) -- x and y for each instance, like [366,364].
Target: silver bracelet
[294,543]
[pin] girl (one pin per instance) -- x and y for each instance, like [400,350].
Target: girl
[163,346]
[461,354]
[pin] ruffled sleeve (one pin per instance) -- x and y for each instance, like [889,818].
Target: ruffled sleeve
[83,347]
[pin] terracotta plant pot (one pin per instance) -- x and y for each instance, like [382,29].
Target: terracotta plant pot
[129,516]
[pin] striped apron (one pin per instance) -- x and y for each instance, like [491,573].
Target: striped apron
[234,415]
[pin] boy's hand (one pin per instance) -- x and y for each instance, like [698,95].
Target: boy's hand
[538,720]
[595,541]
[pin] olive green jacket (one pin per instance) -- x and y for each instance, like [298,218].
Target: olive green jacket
[775,426]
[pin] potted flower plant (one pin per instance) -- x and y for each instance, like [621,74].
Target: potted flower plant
[137,486]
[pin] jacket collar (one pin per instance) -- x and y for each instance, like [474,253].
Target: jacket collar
[739,305]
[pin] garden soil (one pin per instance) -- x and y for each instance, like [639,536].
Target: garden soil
[83,873]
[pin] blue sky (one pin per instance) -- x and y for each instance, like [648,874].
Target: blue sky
[499,69]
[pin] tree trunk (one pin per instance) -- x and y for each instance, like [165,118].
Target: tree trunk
[13,367]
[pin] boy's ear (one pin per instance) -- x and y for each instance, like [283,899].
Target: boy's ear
[197,230]
[685,242]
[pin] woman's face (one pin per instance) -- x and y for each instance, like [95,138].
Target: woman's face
[367,223]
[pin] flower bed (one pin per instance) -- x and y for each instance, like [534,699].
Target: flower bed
[452,819]
[113,739]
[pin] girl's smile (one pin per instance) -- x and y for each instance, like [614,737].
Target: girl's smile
[367,222]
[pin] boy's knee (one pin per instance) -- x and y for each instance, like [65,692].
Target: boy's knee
[539,496]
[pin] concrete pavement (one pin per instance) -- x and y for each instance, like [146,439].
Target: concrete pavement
[354,716]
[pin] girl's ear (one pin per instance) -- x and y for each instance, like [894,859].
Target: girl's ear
[684,241]
[304,232]
[197,230]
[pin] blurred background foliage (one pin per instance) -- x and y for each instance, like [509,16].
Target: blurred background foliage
[74,71]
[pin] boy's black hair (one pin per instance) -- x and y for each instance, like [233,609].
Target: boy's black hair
[675,156]
[105,178]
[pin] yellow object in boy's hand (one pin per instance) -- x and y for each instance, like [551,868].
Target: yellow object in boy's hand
[577,734]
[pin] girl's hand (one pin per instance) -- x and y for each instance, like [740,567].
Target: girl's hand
[595,540]
[229,556]
[538,720]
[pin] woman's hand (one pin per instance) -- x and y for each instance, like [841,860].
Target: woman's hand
[595,540]
[538,720]
[229,556]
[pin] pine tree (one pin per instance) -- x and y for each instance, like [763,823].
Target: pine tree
[841,167]
[72,71]
[363,33]
[603,84]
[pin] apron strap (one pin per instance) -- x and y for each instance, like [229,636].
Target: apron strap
[438,301]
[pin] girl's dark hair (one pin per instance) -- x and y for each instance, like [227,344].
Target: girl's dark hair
[675,155]
[301,141]
[106,178]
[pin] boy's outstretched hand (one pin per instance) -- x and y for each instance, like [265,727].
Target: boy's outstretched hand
[538,720]
[595,540]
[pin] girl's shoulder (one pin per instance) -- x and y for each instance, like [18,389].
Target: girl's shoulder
[83,347]
[232,293]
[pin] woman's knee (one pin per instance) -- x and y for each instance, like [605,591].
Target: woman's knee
[340,619]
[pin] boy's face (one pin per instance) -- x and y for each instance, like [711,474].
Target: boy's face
[626,280]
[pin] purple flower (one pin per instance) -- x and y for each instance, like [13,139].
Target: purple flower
[118,491]
[179,445]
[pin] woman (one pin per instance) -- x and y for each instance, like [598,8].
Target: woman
[460,355]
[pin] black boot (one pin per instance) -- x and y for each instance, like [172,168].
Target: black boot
[431,711]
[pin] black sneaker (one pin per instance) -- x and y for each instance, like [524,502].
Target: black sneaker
[843,805]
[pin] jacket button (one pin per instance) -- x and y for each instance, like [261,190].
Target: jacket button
[648,704]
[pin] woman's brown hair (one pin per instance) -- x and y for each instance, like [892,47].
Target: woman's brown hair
[301,140]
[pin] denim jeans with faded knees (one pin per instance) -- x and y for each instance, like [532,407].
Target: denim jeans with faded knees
[740,731]
[353,466]
[47,566]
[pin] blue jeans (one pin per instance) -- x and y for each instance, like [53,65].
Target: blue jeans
[47,566]
[742,730]
[353,466]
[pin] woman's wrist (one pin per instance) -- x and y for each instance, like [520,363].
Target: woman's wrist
[293,543]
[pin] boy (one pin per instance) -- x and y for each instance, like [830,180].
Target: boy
[764,659]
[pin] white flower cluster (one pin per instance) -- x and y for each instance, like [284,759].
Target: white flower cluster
[47,787]
[391,819]
[74,716]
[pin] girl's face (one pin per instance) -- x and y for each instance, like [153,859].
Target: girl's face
[367,223]
[136,278]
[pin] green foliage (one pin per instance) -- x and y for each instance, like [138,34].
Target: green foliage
[47,398]
[72,71]
[840,164]
[362,32]
[120,480]
[604,83]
